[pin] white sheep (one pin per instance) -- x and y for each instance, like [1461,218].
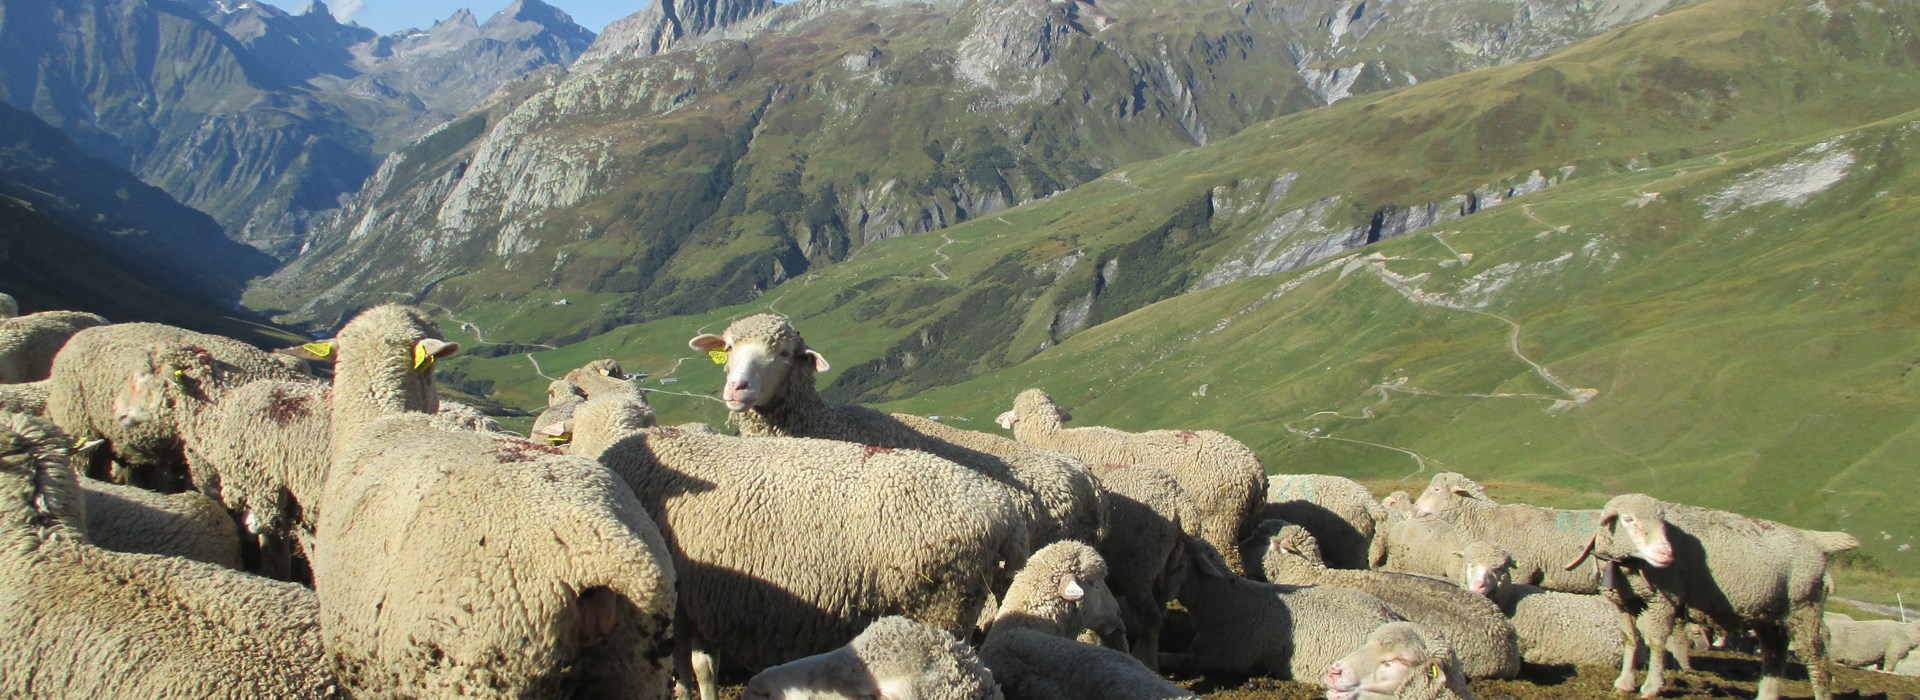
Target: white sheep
[1399,661]
[186,524]
[81,621]
[770,390]
[1737,571]
[461,563]
[1149,520]
[1031,645]
[1429,546]
[1538,539]
[1222,476]
[895,657]
[1247,627]
[787,547]
[1480,635]
[29,343]
[1881,644]
[1340,513]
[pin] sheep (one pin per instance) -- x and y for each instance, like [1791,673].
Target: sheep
[1400,661]
[82,621]
[1538,539]
[99,362]
[462,563]
[1247,627]
[562,398]
[1031,649]
[787,547]
[1481,636]
[1224,478]
[458,416]
[1149,520]
[1871,643]
[1398,502]
[186,524]
[1429,546]
[895,657]
[1737,571]
[29,398]
[1557,629]
[28,343]
[770,392]
[1340,513]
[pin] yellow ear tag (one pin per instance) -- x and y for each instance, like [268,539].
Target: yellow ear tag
[421,358]
[1434,671]
[719,356]
[319,349]
[180,377]
[560,439]
[79,442]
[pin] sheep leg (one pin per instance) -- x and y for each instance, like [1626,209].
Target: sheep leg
[1773,660]
[1630,648]
[1147,649]
[1656,624]
[703,670]
[684,685]
[1809,635]
[1680,644]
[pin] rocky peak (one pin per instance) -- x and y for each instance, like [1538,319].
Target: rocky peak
[663,24]
[527,18]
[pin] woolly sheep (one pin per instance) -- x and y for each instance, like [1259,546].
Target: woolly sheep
[1481,636]
[1538,539]
[562,398]
[1149,520]
[614,408]
[29,398]
[895,657]
[1340,513]
[1247,627]
[186,524]
[790,546]
[1558,628]
[460,563]
[1429,546]
[1881,644]
[98,362]
[1223,477]
[1399,502]
[1737,571]
[29,343]
[1031,648]
[770,390]
[82,621]
[1400,661]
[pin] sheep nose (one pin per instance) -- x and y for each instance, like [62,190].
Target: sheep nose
[737,384]
[1334,675]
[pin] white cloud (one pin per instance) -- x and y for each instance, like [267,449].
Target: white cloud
[344,10]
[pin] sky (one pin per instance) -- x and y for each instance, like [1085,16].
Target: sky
[389,16]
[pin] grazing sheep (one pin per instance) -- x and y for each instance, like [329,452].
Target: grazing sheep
[1429,546]
[770,390]
[1149,520]
[1881,644]
[1223,477]
[81,621]
[1538,539]
[787,547]
[1031,648]
[28,343]
[1400,661]
[1737,571]
[187,524]
[99,362]
[459,563]
[1340,513]
[1481,637]
[1247,627]
[29,398]
[894,658]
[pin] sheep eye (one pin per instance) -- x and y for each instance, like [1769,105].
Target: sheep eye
[786,353]
[1628,518]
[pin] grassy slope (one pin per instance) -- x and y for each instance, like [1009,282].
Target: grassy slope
[1758,361]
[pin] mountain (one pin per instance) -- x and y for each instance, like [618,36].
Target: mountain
[703,176]
[1671,259]
[263,119]
[79,233]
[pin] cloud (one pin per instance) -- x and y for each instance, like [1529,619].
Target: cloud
[344,10]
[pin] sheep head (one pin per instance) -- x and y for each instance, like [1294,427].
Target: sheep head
[1034,409]
[1287,552]
[1448,492]
[385,356]
[895,658]
[1643,519]
[761,354]
[1484,568]
[175,374]
[1398,661]
[1063,588]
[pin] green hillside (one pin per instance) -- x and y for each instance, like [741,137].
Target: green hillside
[1711,296]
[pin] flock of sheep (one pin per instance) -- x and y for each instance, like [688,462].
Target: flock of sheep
[833,551]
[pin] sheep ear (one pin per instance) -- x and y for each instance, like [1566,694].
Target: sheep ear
[1071,590]
[707,342]
[427,350]
[819,360]
[316,351]
[1459,554]
[1006,420]
[1461,491]
[1064,415]
[1609,516]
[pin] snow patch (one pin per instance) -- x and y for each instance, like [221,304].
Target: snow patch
[1792,182]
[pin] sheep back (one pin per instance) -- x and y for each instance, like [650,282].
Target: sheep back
[1341,514]
[29,343]
[135,520]
[29,398]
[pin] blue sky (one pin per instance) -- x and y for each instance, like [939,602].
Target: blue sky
[389,16]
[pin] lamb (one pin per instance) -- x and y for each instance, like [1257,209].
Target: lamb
[894,658]
[28,343]
[1481,636]
[1429,546]
[770,390]
[1223,477]
[1537,538]
[98,362]
[1340,513]
[1031,649]
[1400,661]
[1248,627]
[186,524]
[29,398]
[1737,571]
[461,563]
[1871,643]
[82,621]
[1149,520]
[862,532]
